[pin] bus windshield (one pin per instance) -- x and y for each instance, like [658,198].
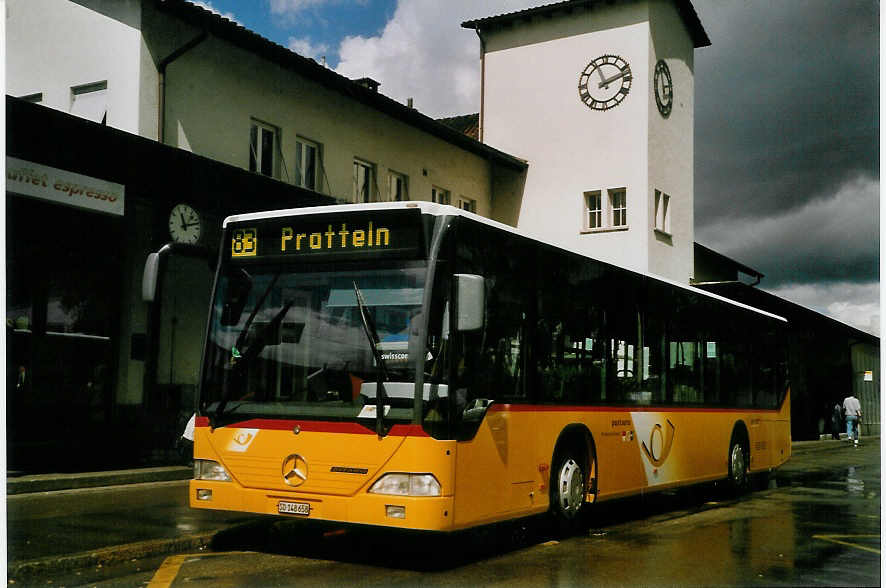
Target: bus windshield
[288,340]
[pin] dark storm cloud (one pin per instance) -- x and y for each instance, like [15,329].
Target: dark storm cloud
[825,240]
[787,115]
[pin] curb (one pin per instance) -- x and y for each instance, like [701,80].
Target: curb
[53,482]
[830,445]
[27,569]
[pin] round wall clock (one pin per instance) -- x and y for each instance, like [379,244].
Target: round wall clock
[664,88]
[184,224]
[605,82]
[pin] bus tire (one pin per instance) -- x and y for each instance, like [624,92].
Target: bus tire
[569,486]
[738,460]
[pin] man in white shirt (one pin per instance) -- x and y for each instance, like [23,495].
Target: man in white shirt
[852,410]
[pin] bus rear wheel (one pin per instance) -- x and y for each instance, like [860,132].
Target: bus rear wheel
[738,465]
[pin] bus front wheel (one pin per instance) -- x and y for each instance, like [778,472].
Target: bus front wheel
[569,480]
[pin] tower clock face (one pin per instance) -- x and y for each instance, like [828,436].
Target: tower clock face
[605,82]
[664,88]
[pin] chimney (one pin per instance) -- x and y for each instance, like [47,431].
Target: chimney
[368,83]
[409,102]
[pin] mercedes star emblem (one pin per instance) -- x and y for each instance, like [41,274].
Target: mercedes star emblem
[295,470]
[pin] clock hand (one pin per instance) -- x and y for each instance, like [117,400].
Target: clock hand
[184,222]
[608,81]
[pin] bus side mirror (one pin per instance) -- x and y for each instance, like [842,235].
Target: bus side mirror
[471,301]
[149,277]
[154,265]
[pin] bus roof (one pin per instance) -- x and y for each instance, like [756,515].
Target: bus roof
[434,209]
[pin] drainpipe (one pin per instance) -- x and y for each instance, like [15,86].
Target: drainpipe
[482,81]
[161,70]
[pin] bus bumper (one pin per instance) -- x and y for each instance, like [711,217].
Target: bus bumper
[406,512]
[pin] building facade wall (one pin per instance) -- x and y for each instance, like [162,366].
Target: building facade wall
[866,358]
[53,47]
[215,92]
[671,148]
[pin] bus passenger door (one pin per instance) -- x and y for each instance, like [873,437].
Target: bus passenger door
[516,438]
[497,470]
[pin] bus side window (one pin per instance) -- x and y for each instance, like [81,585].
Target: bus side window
[507,360]
[735,359]
[569,349]
[624,332]
[494,357]
[767,371]
[655,351]
[685,368]
[502,357]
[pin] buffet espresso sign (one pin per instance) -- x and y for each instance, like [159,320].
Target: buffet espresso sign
[48,183]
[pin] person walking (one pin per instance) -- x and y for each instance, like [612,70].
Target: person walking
[836,421]
[852,410]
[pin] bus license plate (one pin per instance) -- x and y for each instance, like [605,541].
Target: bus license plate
[296,508]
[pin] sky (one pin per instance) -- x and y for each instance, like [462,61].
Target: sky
[787,148]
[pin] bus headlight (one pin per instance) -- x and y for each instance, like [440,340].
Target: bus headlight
[205,469]
[407,485]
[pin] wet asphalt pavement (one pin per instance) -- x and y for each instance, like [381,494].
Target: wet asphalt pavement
[817,524]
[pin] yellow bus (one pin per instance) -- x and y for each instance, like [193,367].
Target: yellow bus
[414,365]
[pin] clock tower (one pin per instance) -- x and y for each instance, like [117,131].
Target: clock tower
[598,97]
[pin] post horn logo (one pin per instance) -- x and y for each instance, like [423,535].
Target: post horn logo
[666,440]
[295,470]
[243,438]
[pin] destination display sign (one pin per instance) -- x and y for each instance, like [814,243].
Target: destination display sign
[355,234]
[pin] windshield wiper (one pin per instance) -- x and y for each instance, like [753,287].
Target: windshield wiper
[258,305]
[240,359]
[382,372]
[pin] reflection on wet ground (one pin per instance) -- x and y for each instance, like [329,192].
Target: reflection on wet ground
[816,523]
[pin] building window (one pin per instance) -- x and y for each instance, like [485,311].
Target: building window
[467,204]
[594,210]
[307,163]
[440,196]
[262,148]
[36,98]
[363,181]
[618,204]
[398,187]
[90,101]
[605,214]
[662,212]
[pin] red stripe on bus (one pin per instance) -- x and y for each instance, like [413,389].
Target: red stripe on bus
[564,408]
[317,427]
